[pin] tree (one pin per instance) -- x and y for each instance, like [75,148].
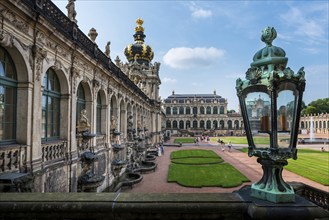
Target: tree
[310,110]
[317,106]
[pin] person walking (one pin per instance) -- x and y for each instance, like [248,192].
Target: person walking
[222,145]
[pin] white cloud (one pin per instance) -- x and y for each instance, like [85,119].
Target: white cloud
[168,80]
[185,57]
[198,12]
[309,24]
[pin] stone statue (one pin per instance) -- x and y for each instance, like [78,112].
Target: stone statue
[83,123]
[71,13]
[139,125]
[130,122]
[114,122]
[107,49]
[92,34]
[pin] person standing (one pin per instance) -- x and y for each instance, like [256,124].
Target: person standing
[229,146]
[222,145]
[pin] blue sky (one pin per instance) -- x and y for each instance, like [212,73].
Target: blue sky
[206,45]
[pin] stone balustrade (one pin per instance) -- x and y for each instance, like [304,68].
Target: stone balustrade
[13,158]
[55,150]
[237,205]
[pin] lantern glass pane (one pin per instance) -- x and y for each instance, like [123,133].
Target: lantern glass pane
[258,105]
[286,107]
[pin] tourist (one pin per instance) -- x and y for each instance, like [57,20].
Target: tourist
[223,145]
[162,149]
[322,149]
[229,146]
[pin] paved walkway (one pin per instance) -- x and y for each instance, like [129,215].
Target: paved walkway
[156,182]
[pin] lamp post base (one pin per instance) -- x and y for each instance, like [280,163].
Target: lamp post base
[272,187]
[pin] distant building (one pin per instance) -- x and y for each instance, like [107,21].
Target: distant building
[319,123]
[197,114]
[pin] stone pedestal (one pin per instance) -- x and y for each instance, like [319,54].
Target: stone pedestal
[300,209]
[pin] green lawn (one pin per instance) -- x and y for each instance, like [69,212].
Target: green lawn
[197,161]
[193,153]
[242,140]
[196,168]
[183,140]
[311,164]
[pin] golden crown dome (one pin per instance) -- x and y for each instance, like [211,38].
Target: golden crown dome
[139,51]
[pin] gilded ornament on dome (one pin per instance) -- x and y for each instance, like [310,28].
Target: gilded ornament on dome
[139,27]
[144,50]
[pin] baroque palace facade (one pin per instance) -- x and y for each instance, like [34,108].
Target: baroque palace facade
[319,123]
[200,114]
[53,77]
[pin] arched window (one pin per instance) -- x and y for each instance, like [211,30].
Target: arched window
[221,124]
[99,115]
[181,124]
[188,124]
[221,110]
[8,97]
[195,110]
[229,124]
[324,124]
[320,124]
[316,124]
[188,110]
[195,124]
[168,124]
[215,124]
[81,100]
[208,124]
[215,110]
[302,125]
[174,111]
[202,124]
[168,112]
[50,106]
[208,110]
[202,110]
[236,124]
[181,110]
[174,124]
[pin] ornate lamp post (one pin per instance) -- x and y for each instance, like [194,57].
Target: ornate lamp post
[270,100]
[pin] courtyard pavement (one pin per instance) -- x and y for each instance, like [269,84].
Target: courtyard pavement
[156,182]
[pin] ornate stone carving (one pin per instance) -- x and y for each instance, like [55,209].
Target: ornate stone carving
[75,74]
[6,39]
[40,38]
[17,22]
[39,54]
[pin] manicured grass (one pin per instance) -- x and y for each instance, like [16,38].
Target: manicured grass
[183,140]
[221,175]
[311,164]
[197,160]
[196,168]
[242,140]
[193,153]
